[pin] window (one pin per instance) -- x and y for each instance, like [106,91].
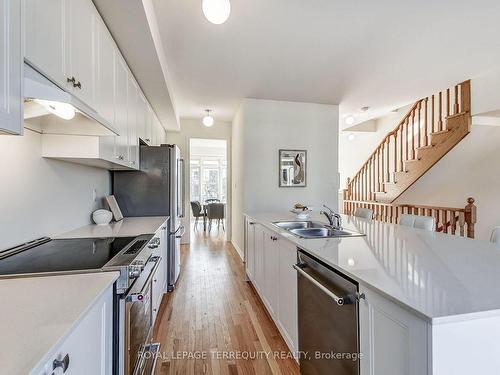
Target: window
[208,178]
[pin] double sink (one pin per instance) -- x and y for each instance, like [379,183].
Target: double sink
[314,229]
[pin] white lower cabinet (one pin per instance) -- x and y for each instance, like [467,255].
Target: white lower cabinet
[393,340]
[88,348]
[268,264]
[287,294]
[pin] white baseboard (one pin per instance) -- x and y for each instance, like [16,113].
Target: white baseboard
[238,250]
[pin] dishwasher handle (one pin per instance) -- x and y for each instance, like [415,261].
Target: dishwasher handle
[339,300]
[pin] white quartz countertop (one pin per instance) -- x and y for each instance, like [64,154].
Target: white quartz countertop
[38,313]
[442,278]
[128,227]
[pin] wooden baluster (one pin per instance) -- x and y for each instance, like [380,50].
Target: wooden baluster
[407,123]
[455,106]
[453,222]
[426,137]
[445,221]
[401,130]
[387,156]
[437,218]
[370,168]
[440,117]
[419,124]
[448,102]
[382,176]
[395,169]
[433,109]
[378,169]
[470,215]
[374,169]
[461,223]
[413,135]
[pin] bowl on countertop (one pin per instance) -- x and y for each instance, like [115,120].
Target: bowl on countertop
[102,217]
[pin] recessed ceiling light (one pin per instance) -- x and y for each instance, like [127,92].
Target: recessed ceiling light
[208,119]
[351,137]
[216,11]
[349,120]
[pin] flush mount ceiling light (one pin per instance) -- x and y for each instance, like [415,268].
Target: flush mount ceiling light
[208,120]
[63,110]
[349,120]
[216,11]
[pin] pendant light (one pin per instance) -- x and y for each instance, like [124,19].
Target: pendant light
[208,120]
[216,11]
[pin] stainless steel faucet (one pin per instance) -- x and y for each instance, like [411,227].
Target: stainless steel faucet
[334,218]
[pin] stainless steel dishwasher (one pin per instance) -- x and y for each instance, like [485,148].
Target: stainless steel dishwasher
[328,319]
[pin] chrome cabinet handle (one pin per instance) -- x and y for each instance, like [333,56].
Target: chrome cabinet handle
[340,301]
[148,140]
[78,84]
[71,80]
[63,364]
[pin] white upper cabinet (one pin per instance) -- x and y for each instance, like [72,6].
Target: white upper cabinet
[133,136]
[105,95]
[81,21]
[121,119]
[11,99]
[44,37]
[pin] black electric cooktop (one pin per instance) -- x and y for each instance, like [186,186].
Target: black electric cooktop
[81,254]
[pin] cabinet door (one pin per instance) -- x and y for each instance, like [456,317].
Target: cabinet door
[393,341]
[44,35]
[287,293]
[142,117]
[89,346]
[82,25]
[11,100]
[148,125]
[250,249]
[121,118]
[259,259]
[271,258]
[133,137]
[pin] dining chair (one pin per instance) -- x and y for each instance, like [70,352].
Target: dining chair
[495,236]
[216,211]
[419,222]
[363,213]
[197,211]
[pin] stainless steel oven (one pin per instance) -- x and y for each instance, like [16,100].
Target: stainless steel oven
[139,352]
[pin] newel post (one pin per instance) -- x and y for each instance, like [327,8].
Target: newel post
[470,216]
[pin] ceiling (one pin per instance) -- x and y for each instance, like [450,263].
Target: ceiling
[382,54]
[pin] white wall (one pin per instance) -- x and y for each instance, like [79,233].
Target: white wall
[43,197]
[193,128]
[471,169]
[237,183]
[260,129]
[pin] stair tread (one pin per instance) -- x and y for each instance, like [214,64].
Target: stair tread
[425,147]
[441,132]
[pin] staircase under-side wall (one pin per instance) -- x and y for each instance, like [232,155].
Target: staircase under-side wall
[432,127]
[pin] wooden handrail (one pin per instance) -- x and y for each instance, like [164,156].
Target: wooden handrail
[447,218]
[401,145]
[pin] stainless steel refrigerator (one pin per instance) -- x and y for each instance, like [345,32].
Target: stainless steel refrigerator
[157,189]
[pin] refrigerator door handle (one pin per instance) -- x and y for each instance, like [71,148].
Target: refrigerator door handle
[183,231]
[181,190]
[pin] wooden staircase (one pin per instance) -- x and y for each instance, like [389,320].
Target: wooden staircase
[432,127]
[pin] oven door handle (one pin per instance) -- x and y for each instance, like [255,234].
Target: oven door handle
[157,260]
[339,300]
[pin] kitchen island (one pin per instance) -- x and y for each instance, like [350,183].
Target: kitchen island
[430,305]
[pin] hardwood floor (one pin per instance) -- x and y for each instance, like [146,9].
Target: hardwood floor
[214,322]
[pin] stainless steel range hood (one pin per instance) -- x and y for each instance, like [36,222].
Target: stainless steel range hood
[49,109]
